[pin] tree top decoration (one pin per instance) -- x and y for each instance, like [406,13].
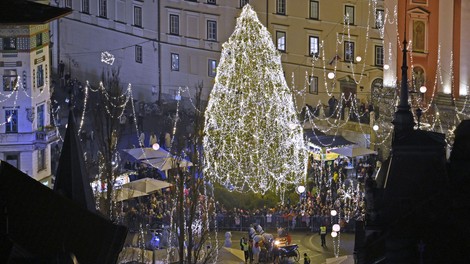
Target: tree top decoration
[253,140]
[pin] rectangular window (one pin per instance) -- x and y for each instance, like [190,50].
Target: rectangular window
[281,40]
[10,79]
[243,3]
[314,9]
[174,25]
[86,6]
[349,15]
[212,2]
[40,117]
[41,159]
[38,39]
[40,76]
[313,85]
[68,3]
[11,121]
[175,62]
[13,159]
[137,16]
[138,53]
[379,18]
[212,68]
[348,51]
[281,7]
[211,30]
[379,55]
[103,8]
[313,46]
[9,43]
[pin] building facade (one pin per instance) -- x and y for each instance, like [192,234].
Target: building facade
[163,45]
[26,133]
[159,46]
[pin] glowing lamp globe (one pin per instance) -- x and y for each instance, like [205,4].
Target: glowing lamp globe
[333,212]
[301,189]
[386,66]
[336,228]
[358,58]
[155,146]
[423,89]
[331,75]
[334,234]
[375,127]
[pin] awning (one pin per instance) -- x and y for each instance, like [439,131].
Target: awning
[321,140]
[353,151]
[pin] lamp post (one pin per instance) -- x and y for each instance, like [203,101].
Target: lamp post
[335,234]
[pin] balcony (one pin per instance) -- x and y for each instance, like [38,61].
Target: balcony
[46,135]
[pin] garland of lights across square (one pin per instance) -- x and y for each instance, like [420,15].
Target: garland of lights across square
[252,138]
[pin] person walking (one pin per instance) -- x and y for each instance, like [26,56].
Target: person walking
[306,259]
[152,139]
[323,235]
[244,246]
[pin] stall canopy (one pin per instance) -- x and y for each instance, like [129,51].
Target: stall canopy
[321,140]
[147,185]
[353,151]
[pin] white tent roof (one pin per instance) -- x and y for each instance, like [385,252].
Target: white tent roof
[353,151]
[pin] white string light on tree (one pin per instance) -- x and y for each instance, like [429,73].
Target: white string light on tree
[253,140]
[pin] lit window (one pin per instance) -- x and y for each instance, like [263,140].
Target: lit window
[348,51]
[174,25]
[379,18]
[175,62]
[349,15]
[281,40]
[11,121]
[38,39]
[138,53]
[40,76]
[313,85]
[10,79]
[41,159]
[137,16]
[212,68]
[211,30]
[379,55]
[9,44]
[40,117]
[314,9]
[281,7]
[86,6]
[103,8]
[313,46]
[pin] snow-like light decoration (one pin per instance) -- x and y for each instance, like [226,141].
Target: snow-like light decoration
[107,58]
[250,142]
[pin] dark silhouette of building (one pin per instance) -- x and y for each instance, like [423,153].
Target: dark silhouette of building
[412,210]
[39,225]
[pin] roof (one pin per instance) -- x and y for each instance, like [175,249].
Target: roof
[22,12]
[71,178]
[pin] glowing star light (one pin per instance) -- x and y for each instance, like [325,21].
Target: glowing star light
[107,58]
[252,138]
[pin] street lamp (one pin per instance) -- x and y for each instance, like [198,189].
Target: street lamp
[331,75]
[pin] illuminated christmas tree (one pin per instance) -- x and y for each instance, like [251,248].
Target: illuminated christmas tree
[253,139]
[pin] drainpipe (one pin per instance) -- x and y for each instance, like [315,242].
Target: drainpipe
[267,13]
[159,54]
